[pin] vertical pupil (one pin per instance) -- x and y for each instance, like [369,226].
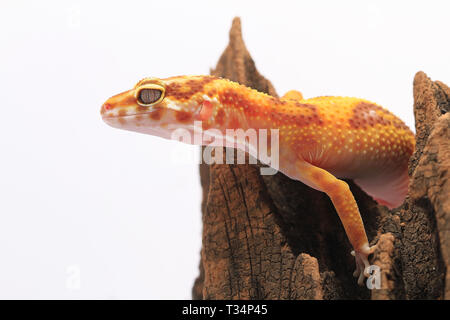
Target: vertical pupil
[148,96]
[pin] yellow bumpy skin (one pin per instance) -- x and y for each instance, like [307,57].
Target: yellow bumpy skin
[321,140]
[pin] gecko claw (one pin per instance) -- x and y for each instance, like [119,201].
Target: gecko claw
[362,263]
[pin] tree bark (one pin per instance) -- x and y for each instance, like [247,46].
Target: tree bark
[270,237]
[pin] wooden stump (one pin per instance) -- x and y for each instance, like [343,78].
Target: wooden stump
[270,237]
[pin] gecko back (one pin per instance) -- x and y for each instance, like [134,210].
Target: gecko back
[360,140]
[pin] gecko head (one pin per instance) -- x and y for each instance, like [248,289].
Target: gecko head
[160,106]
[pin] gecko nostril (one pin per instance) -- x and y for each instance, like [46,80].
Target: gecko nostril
[105,108]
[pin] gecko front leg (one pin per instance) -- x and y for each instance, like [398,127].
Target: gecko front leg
[347,209]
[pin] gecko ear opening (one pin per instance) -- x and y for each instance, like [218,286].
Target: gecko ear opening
[149,94]
[205,111]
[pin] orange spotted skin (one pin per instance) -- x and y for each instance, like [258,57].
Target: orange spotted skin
[321,139]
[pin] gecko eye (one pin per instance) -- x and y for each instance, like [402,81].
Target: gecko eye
[149,94]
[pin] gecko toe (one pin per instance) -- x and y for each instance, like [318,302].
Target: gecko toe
[361,279]
[362,263]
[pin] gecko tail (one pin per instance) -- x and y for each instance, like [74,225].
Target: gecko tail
[389,190]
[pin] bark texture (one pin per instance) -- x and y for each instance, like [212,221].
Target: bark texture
[270,237]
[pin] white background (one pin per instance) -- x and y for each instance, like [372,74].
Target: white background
[88,211]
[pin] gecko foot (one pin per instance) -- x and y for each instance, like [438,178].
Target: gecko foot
[362,262]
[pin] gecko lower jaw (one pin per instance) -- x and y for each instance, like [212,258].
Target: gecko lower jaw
[119,116]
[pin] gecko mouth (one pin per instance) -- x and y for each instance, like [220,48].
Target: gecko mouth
[116,116]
